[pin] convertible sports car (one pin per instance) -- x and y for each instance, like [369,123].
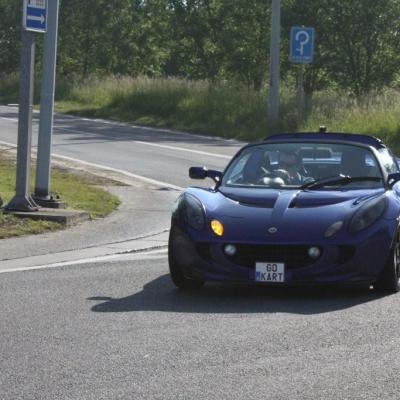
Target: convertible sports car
[297,208]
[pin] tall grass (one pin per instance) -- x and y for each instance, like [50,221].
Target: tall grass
[376,114]
[8,88]
[222,109]
[197,106]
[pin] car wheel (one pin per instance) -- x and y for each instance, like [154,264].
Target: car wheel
[178,277]
[389,279]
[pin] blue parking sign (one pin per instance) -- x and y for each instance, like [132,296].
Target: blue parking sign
[35,15]
[302,45]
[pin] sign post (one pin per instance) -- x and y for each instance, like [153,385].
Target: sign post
[34,20]
[274,73]
[43,166]
[301,52]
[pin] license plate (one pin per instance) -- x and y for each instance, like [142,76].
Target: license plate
[270,272]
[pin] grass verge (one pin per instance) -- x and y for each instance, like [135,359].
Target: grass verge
[199,107]
[81,192]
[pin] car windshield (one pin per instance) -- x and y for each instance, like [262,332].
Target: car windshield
[299,165]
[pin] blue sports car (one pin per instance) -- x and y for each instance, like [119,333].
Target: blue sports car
[298,208]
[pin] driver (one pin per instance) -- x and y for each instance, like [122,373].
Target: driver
[291,168]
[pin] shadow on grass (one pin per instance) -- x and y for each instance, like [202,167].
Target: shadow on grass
[161,295]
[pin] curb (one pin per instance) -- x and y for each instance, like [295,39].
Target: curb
[66,217]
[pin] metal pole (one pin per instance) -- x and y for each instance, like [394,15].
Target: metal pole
[43,172]
[22,200]
[300,91]
[273,109]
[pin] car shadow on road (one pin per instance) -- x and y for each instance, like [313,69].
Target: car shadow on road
[161,295]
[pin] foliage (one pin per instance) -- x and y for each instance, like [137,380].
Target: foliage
[113,36]
[12,226]
[361,39]
[10,23]
[198,106]
[376,114]
[357,42]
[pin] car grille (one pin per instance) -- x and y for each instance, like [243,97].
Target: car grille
[345,254]
[204,251]
[293,256]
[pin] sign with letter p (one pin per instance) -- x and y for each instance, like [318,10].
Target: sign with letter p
[302,45]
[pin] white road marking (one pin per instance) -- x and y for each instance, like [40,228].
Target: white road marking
[175,148]
[129,125]
[162,146]
[149,128]
[9,119]
[122,172]
[106,168]
[205,153]
[87,261]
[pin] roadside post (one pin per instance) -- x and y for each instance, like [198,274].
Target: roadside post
[43,167]
[274,73]
[34,20]
[301,52]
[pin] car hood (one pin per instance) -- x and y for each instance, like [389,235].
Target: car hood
[298,199]
[250,213]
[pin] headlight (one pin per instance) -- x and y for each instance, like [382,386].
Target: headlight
[332,229]
[367,214]
[192,211]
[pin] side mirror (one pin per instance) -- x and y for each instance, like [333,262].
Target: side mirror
[393,178]
[203,173]
[198,172]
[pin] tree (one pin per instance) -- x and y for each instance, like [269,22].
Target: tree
[221,39]
[246,40]
[10,35]
[357,46]
[197,51]
[362,43]
[310,13]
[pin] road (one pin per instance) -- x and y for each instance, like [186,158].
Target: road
[116,328]
[120,330]
[159,158]
[161,155]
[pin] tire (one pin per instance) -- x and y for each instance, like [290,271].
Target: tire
[178,277]
[389,279]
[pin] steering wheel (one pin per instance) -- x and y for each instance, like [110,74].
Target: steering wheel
[273,176]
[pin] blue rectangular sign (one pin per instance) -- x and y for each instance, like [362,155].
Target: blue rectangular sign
[302,45]
[35,15]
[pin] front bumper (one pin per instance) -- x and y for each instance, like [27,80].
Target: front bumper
[357,263]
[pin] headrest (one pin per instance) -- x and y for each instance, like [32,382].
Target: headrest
[315,153]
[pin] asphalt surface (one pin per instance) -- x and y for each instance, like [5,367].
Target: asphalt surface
[162,155]
[120,330]
[143,211]
[116,328]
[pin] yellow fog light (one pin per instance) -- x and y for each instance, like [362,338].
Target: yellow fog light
[217,227]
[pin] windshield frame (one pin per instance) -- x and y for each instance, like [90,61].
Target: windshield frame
[317,141]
